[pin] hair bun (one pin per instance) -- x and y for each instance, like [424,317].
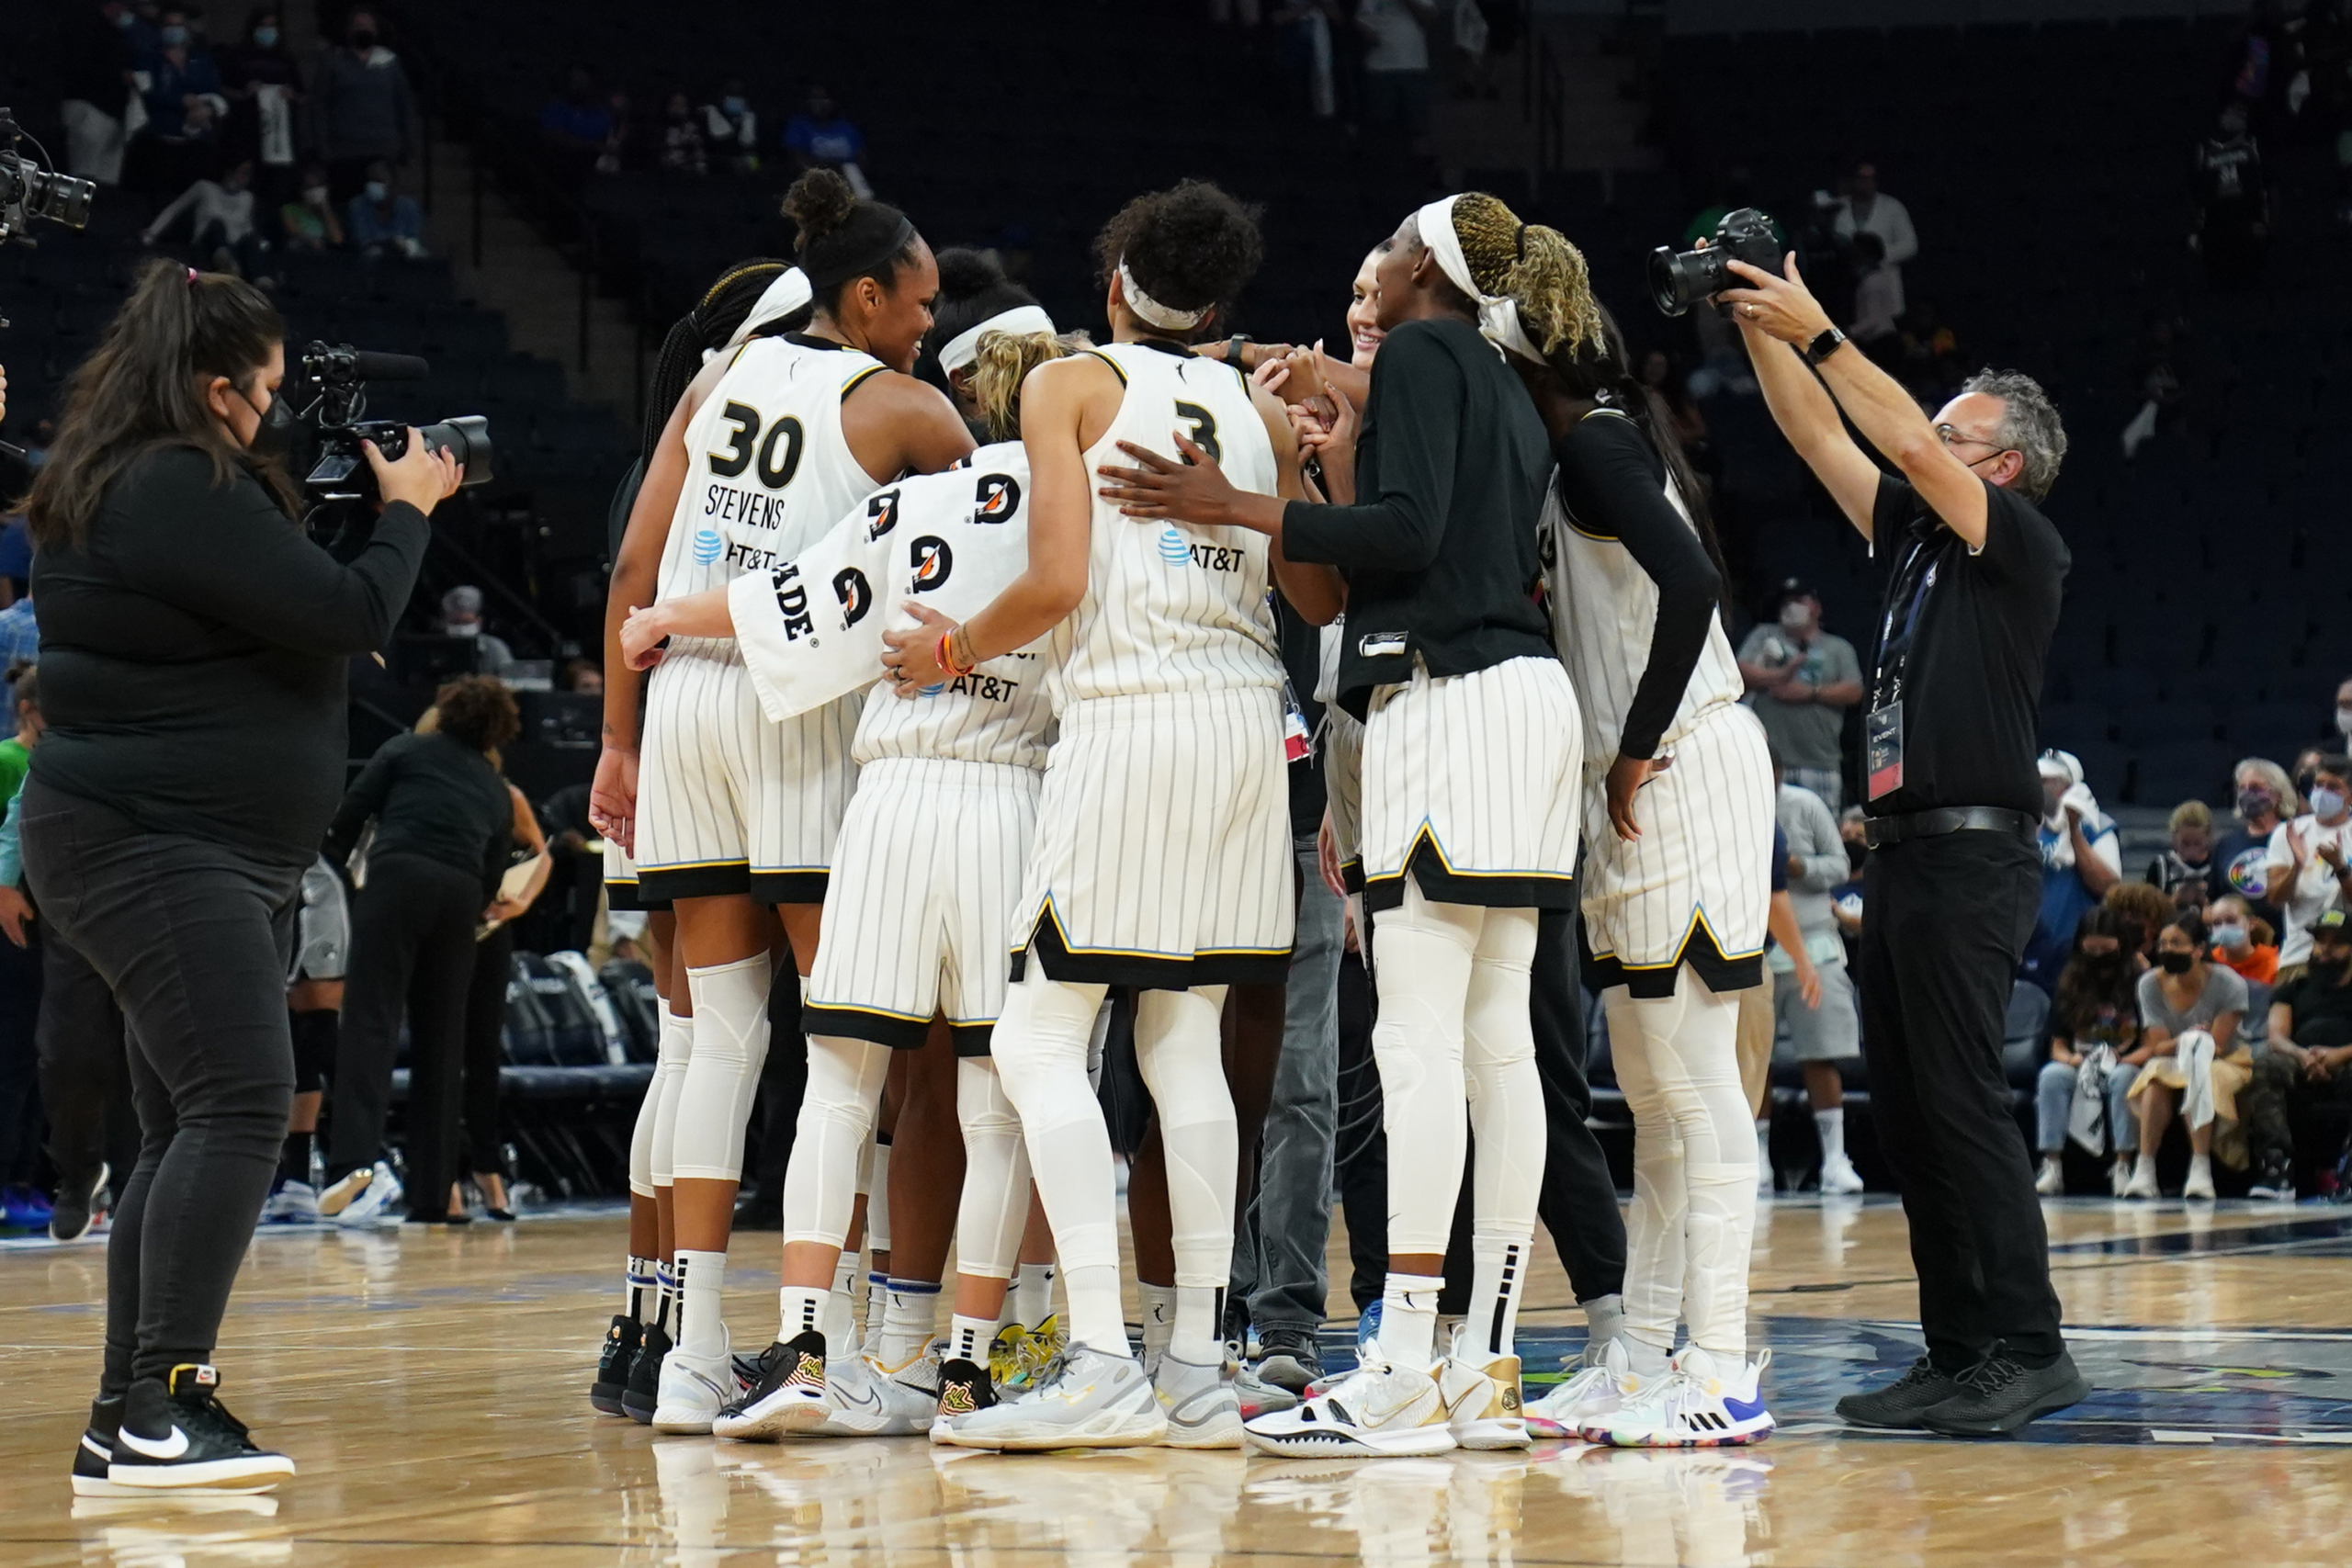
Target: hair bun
[965,274]
[819,202]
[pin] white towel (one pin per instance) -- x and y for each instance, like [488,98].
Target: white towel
[2193,1053]
[2087,1117]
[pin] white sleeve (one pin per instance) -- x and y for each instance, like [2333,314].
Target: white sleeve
[2110,852]
[2278,855]
[1902,239]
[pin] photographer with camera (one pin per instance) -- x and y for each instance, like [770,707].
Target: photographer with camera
[1953,881]
[195,642]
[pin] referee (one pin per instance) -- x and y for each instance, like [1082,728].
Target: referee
[1953,881]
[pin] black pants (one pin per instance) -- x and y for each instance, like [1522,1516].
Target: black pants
[486,1050]
[1359,1139]
[412,947]
[19,1059]
[84,1068]
[1944,921]
[784,1081]
[192,938]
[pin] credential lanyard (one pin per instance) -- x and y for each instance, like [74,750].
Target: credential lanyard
[1898,634]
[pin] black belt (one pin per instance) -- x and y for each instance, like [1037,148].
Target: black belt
[1881,832]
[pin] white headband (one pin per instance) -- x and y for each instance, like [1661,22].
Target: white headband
[789,293]
[1150,311]
[1497,314]
[964,347]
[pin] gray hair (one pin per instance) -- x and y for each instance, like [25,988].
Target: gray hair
[2029,426]
[2272,777]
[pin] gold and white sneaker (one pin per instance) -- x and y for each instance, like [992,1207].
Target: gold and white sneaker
[1376,1410]
[1482,1401]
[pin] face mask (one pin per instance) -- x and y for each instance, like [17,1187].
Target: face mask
[1856,856]
[378,190]
[173,35]
[465,629]
[275,431]
[2327,802]
[315,195]
[2253,802]
[2343,722]
[1796,617]
[265,38]
[2176,962]
[2232,939]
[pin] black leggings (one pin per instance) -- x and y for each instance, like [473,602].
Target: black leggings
[192,937]
[412,947]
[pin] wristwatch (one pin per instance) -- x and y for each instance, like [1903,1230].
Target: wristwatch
[1233,355]
[1821,347]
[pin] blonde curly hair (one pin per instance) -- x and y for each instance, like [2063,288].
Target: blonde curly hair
[1001,362]
[1531,264]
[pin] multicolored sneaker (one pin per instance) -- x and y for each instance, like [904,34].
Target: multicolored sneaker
[1376,1410]
[790,1397]
[622,1337]
[964,1387]
[1694,1407]
[1590,1396]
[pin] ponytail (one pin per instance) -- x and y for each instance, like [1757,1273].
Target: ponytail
[1003,362]
[1533,266]
[138,392]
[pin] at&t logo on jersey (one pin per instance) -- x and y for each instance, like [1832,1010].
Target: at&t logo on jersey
[707,546]
[1176,550]
[1173,547]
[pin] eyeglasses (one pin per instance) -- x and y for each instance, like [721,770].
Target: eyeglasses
[1951,435]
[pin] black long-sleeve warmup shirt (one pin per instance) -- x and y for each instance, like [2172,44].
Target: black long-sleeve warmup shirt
[193,656]
[1440,550]
[428,795]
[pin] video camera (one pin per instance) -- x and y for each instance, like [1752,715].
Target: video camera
[1680,280]
[28,191]
[330,386]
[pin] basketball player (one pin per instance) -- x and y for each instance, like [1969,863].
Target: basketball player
[927,876]
[1679,812]
[1468,826]
[747,296]
[767,450]
[1162,842]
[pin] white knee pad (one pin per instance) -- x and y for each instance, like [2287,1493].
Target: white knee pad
[651,1130]
[1424,954]
[731,1046]
[677,1047]
[1179,1049]
[836,1122]
[1039,1045]
[995,1205]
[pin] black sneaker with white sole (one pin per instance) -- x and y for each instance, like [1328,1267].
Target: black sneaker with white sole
[178,1435]
[621,1341]
[96,1450]
[77,1204]
[642,1394]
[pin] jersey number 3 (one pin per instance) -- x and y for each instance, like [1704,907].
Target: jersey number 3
[778,455]
[1204,431]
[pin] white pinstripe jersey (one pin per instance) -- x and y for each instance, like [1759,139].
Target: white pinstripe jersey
[1604,608]
[1169,606]
[768,471]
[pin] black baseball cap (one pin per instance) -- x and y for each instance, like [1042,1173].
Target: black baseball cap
[1796,588]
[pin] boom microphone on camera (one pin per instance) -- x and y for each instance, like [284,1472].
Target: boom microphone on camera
[370,366]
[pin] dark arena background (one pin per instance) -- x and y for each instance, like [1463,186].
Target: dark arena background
[2147,205]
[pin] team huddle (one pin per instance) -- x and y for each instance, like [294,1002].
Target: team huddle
[992,739]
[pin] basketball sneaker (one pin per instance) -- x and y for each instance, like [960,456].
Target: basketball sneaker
[1589,1397]
[964,1387]
[368,1202]
[1255,1396]
[1376,1410]
[692,1389]
[1839,1179]
[1203,1410]
[1482,1401]
[865,1399]
[643,1390]
[77,1207]
[789,1397]
[621,1342]
[1082,1399]
[1289,1358]
[1693,1407]
[291,1203]
[176,1433]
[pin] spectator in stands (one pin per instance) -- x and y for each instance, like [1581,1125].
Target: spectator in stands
[185,104]
[309,221]
[2195,1062]
[585,677]
[2265,799]
[220,215]
[1932,370]
[2343,708]
[2242,940]
[2310,1058]
[2162,400]
[685,149]
[617,148]
[821,137]
[443,817]
[19,635]
[381,221]
[577,123]
[1866,210]
[1846,899]
[1801,680]
[2081,859]
[2148,912]
[1396,66]
[265,87]
[1823,1035]
[1309,33]
[1877,303]
[461,616]
[2186,872]
[96,60]
[2233,231]
[2094,1022]
[362,112]
[733,127]
[2310,864]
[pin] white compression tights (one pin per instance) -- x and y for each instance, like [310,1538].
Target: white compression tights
[731,1044]
[835,1128]
[1453,1000]
[1694,1164]
[995,1206]
[651,1143]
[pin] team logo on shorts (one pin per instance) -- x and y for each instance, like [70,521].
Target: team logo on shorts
[1173,547]
[854,592]
[707,546]
[932,561]
[998,496]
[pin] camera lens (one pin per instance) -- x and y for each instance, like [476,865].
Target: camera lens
[466,438]
[1680,280]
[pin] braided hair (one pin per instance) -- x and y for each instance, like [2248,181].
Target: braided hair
[708,326]
[1533,266]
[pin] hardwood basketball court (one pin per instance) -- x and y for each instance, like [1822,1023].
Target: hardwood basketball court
[433,1388]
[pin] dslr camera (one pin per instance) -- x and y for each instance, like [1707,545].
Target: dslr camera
[28,191]
[1680,280]
[332,390]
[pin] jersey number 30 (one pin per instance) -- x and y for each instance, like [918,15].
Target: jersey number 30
[778,453]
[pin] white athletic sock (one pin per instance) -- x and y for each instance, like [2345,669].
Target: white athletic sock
[1764,1141]
[839,1320]
[1409,1320]
[909,1319]
[1831,1126]
[1497,1282]
[641,1285]
[1199,1337]
[665,1298]
[1031,1300]
[799,1309]
[1159,1318]
[1096,1318]
[968,1338]
[877,1304]
[702,1321]
[1604,1319]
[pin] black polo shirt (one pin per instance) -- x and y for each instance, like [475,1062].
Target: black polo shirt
[1978,626]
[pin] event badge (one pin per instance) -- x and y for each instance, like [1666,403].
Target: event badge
[1296,746]
[1882,749]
